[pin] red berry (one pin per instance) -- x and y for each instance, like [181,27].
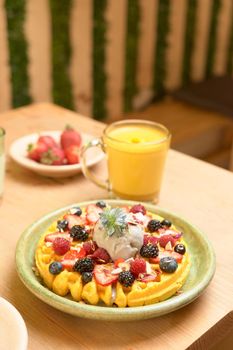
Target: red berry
[48,140]
[138,266]
[36,150]
[89,247]
[52,236]
[163,240]
[54,156]
[70,137]
[138,208]
[101,255]
[72,154]
[61,245]
[150,239]
[70,258]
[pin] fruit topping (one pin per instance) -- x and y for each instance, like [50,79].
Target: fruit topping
[71,257]
[138,266]
[153,225]
[149,277]
[55,267]
[149,250]
[138,208]
[84,265]
[74,220]
[126,278]
[101,204]
[103,275]
[89,247]
[101,256]
[118,261]
[70,137]
[79,233]
[166,223]
[180,248]
[168,264]
[52,236]
[76,211]
[161,255]
[87,277]
[164,239]
[62,225]
[150,239]
[93,213]
[61,245]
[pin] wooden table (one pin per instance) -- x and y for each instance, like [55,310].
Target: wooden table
[198,191]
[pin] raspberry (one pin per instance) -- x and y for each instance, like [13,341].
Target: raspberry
[89,247]
[163,240]
[150,239]
[153,225]
[101,255]
[61,245]
[149,251]
[138,266]
[126,278]
[84,265]
[138,208]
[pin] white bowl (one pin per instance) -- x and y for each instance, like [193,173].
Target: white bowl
[18,152]
[13,331]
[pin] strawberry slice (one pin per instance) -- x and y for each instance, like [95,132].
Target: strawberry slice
[93,213]
[74,220]
[71,257]
[149,277]
[161,255]
[51,236]
[103,275]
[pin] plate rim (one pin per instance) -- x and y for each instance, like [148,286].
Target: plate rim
[110,313]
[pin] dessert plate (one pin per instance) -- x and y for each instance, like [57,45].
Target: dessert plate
[18,152]
[199,249]
[13,332]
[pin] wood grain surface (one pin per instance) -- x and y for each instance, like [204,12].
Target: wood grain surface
[200,192]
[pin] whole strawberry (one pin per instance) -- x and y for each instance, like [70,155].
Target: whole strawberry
[72,154]
[48,140]
[70,137]
[54,156]
[36,150]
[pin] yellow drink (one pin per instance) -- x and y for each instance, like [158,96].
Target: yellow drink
[136,153]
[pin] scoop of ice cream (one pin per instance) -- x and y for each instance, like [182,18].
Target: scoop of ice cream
[124,245]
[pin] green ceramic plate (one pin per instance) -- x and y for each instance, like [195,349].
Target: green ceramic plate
[199,277]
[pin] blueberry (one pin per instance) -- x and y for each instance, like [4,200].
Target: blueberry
[166,223]
[55,268]
[180,248]
[101,204]
[62,225]
[168,264]
[86,277]
[76,211]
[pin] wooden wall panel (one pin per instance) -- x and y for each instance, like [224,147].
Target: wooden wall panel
[5,86]
[201,38]
[223,34]
[38,34]
[115,55]
[176,44]
[81,60]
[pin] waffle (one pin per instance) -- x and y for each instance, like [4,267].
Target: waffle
[139,293]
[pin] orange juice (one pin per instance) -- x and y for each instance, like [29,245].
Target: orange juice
[136,153]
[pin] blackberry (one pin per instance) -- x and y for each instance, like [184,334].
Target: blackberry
[76,211]
[166,223]
[55,267]
[180,248]
[62,225]
[126,278]
[149,250]
[101,204]
[86,277]
[84,265]
[79,233]
[153,225]
[168,264]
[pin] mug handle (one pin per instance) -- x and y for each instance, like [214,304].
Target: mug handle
[88,174]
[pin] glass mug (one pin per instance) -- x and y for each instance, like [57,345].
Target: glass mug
[2,160]
[136,152]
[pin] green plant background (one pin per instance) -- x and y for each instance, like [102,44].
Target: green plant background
[62,91]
